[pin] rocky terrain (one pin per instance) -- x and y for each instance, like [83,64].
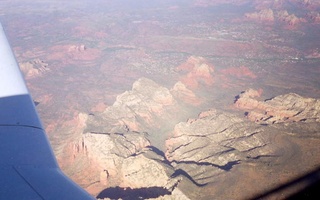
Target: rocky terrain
[148,108]
[281,109]
[214,143]
[268,15]
[143,100]
[117,143]
[34,68]
[196,70]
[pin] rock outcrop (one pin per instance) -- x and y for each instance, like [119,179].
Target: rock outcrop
[284,108]
[213,143]
[289,19]
[77,48]
[181,92]
[114,152]
[262,15]
[125,160]
[116,148]
[74,53]
[34,68]
[147,106]
[114,143]
[269,15]
[196,71]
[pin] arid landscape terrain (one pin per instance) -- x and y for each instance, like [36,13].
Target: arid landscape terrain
[194,99]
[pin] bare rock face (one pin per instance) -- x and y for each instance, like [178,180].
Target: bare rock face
[197,71]
[268,15]
[213,143]
[284,108]
[34,68]
[113,152]
[290,19]
[181,92]
[116,140]
[123,160]
[144,107]
[77,48]
[262,15]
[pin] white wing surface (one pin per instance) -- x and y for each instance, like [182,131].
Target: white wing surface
[28,168]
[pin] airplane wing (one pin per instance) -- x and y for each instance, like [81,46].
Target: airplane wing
[28,168]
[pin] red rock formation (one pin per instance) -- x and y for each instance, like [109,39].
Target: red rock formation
[34,68]
[198,71]
[289,19]
[99,160]
[212,143]
[269,15]
[283,4]
[105,152]
[70,125]
[73,53]
[120,159]
[247,99]
[147,106]
[181,92]
[77,48]
[284,108]
[263,15]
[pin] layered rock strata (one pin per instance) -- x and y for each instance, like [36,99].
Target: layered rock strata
[213,143]
[34,68]
[124,160]
[140,109]
[284,108]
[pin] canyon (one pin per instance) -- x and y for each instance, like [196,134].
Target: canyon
[200,99]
